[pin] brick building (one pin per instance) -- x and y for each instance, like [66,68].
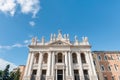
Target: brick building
[107,64]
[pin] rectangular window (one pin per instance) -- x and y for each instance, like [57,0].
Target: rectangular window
[59,74]
[109,68]
[116,67]
[76,75]
[94,62]
[105,57]
[86,76]
[102,68]
[112,78]
[99,57]
[105,78]
[34,72]
[43,76]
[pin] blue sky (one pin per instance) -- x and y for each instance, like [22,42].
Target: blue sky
[99,20]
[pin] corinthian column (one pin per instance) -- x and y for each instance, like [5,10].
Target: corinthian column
[39,66]
[66,63]
[53,63]
[30,66]
[49,64]
[70,66]
[27,65]
[80,66]
[90,67]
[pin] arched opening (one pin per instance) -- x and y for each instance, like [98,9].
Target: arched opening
[83,58]
[36,59]
[45,57]
[74,57]
[59,56]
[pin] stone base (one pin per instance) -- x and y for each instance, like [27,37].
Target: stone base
[69,78]
[37,78]
[82,78]
[49,77]
[26,78]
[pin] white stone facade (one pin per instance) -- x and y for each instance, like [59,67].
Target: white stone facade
[60,59]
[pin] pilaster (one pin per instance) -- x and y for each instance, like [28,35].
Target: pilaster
[53,66]
[94,77]
[48,76]
[66,63]
[70,66]
[38,76]
[88,62]
[81,74]
[27,66]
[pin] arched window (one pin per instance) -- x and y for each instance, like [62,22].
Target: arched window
[36,58]
[45,57]
[74,57]
[59,58]
[83,58]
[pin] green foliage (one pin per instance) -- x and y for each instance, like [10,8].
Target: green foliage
[6,73]
[1,72]
[17,74]
[12,76]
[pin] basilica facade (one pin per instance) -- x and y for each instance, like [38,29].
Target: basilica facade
[60,59]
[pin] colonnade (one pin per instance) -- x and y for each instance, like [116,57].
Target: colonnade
[67,66]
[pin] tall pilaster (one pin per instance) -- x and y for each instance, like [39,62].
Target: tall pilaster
[70,66]
[38,76]
[66,63]
[53,64]
[80,66]
[27,65]
[88,62]
[48,76]
[94,77]
[30,66]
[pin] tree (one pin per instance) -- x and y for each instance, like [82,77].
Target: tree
[6,73]
[12,76]
[17,74]
[1,72]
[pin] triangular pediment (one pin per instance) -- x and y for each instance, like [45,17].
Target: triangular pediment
[59,42]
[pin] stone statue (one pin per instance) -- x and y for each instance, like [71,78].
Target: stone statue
[59,34]
[76,38]
[33,40]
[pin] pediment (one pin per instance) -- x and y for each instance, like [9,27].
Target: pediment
[59,42]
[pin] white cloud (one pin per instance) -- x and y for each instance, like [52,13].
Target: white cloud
[18,45]
[3,64]
[12,46]
[26,6]
[8,6]
[32,23]
[29,6]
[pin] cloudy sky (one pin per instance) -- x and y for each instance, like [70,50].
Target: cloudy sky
[20,20]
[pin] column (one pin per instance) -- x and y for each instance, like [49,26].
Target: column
[31,64]
[66,63]
[56,74]
[49,64]
[53,63]
[39,66]
[70,64]
[88,62]
[92,67]
[63,74]
[80,66]
[27,65]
